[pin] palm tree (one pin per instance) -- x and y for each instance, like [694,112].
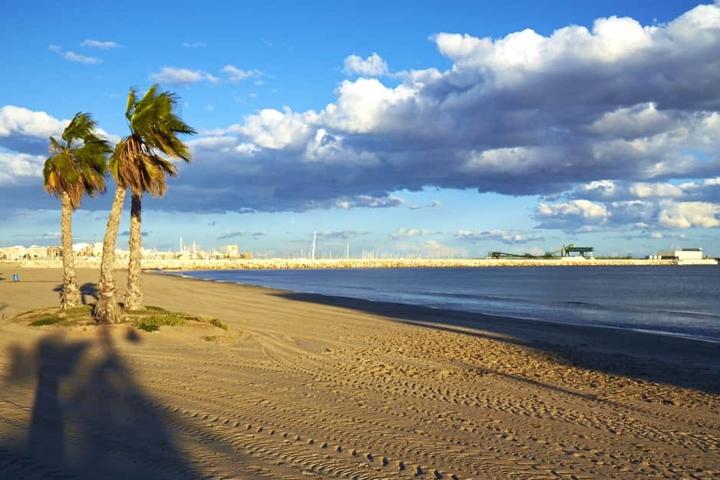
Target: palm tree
[76,167]
[142,161]
[106,308]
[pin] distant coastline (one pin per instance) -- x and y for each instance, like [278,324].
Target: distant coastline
[304,263]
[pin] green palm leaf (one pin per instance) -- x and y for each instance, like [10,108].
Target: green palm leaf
[143,160]
[77,163]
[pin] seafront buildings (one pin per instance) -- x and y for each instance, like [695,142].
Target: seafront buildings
[94,250]
[231,257]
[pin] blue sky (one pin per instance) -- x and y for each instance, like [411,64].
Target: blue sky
[419,128]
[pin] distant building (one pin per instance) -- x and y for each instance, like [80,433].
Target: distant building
[684,256]
[233,251]
[681,254]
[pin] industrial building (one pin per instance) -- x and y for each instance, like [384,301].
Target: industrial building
[685,256]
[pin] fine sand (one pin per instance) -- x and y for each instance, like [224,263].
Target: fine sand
[305,386]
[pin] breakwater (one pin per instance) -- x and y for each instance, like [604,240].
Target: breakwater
[304,263]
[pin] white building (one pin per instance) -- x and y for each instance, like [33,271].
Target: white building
[686,256]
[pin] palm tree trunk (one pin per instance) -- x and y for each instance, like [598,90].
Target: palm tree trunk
[70,296]
[107,309]
[133,300]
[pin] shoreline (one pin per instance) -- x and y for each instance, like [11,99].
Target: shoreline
[340,300]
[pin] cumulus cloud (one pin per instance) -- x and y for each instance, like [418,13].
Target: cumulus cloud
[73,56]
[22,129]
[181,76]
[504,236]
[583,215]
[572,215]
[102,44]
[613,190]
[410,232]
[16,167]
[690,214]
[235,74]
[369,201]
[275,130]
[27,131]
[372,66]
[502,120]
[628,106]
[682,204]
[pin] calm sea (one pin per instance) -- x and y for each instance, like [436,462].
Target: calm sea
[682,301]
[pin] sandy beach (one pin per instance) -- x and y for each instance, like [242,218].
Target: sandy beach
[305,386]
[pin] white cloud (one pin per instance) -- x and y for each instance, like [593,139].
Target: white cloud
[411,232]
[194,44]
[690,214]
[369,201]
[102,44]
[362,105]
[74,57]
[218,142]
[581,208]
[235,74]
[24,143]
[645,190]
[433,204]
[181,76]
[372,66]
[16,167]
[504,236]
[275,130]
[631,122]
[620,116]
[430,249]
[601,188]
[573,215]
[24,122]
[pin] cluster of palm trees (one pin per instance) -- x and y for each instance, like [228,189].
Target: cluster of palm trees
[140,162]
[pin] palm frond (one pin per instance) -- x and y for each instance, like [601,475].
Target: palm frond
[143,160]
[81,126]
[77,164]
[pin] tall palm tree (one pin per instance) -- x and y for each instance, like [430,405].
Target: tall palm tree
[106,308]
[76,167]
[142,161]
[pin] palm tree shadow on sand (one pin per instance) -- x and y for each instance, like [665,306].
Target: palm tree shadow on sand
[89,419]
[88,291]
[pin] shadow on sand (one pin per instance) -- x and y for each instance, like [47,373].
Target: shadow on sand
[656,358]
[88,290]
[89,418]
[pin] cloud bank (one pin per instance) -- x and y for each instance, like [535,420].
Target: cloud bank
[635,106]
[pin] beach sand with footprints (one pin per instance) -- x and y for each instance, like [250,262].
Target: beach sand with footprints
[304,386]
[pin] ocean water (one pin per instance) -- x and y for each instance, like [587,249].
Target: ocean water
[683,301]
